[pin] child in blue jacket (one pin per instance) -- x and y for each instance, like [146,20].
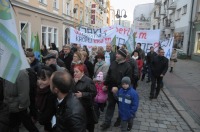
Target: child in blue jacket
[128,104]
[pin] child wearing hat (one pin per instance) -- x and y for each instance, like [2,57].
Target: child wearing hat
[128,103]
[102,95]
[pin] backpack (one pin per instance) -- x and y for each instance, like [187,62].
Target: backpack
[32,93]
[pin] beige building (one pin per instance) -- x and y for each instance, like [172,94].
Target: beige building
[51,19]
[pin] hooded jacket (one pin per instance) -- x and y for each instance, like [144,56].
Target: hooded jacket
[128,103]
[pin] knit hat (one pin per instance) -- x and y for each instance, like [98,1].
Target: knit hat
[122,52]
[126,80]
[99,76]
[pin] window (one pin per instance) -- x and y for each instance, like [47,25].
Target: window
[184,9]
[67,8]
[197,46]
[56,4]
[76,13]
[43,2]
[81,14]
[178,14]
[49,35]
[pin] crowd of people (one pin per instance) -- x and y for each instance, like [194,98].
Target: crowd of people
[67,90]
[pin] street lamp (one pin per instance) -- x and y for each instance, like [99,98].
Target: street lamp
[119,14]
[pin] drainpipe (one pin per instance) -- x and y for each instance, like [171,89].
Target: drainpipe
[190,31]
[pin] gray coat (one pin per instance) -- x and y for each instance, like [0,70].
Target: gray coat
[16,96]
[101,68]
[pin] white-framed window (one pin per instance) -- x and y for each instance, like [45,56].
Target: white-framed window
[68,8]
[81,14]
[49,35]
[178,14]
[56,4]
[184,9]
[43,2]
[197,44]
[24,34]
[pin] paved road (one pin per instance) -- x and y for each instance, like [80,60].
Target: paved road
[157,115]
[184,85]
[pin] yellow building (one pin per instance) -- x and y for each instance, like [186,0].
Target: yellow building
[51,19]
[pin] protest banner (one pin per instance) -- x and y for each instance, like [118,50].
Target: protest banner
[148,38]
[12,57]
[101,36]
[167,45]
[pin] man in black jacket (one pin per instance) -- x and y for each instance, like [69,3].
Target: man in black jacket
[117,70]
[150,56]
[70,114]
[67,56]
[159,68]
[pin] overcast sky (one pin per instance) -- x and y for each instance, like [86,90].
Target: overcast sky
[128,5]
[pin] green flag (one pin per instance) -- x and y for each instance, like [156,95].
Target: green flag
[113,43]
[36,48]
[32,41]
[12,58]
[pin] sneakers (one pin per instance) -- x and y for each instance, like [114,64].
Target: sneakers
[117,123]
[104,126]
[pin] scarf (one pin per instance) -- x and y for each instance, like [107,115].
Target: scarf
[41,97]
[135,58]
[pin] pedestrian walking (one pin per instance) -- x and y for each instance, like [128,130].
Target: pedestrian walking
[117,70]
[159,68]
[45,99]
[102,95]
[85,91]
[17,97]
[128,104]
[173,60]
[150,56]
[70,115]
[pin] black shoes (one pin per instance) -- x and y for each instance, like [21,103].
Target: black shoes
[117,123]
[129,127]
[151,97]
[104,126]
[148,81]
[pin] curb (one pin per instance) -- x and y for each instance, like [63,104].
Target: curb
[181,111]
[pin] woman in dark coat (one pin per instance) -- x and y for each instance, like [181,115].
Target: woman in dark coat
[85,90]
[45,100]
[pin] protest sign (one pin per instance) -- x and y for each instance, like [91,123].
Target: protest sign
[167,45]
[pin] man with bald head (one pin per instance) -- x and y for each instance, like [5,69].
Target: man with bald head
[109,54]
[70,114]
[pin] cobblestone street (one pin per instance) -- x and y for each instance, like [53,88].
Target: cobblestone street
[157,115]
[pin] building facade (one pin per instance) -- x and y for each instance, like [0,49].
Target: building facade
[142,16]
[195,32]
[51,19]
[172,17]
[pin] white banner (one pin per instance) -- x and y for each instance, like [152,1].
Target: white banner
[102,36]
[99,37]
[148,38]
[167,46]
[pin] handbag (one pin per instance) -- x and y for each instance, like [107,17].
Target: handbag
[175,60]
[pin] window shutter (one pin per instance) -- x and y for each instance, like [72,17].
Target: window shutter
[57,4]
